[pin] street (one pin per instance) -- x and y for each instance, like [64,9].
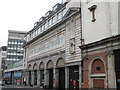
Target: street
[20,88]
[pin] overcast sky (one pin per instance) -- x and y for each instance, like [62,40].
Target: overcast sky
[21,15]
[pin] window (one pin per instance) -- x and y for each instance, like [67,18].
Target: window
[54,19]
[50,22]
[98,68]
[46,25]
[63,12]
[92,9]
[59,15]
[43,28]
[3,54]
[21,35]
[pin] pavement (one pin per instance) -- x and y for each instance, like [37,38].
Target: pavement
[18,87]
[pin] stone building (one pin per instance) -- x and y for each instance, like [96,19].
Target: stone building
[52,56]
[100,50]
[14,62]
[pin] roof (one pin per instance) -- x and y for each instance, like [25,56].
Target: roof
[15,64]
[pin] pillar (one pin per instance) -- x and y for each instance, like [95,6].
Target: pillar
[111,71]
[38,78]
[27,77]
[66,77]
[80,77]
[55,78]
[46,78]
[32,77]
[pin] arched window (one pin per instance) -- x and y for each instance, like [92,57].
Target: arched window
[49,64]
[35,67]
[97,67]
[41,67]
[60,63]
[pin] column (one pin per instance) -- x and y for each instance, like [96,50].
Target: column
[46,78]
[38,78]
[111,71]
[66,77]
[27,77]
[32,77]
[80,77]
[55,79]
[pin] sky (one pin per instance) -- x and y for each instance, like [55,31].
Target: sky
[21,15]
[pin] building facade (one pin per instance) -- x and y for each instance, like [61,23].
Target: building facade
[52,55]
[3,58]
[14,61]
[76,45]
[15,43]
[100,50]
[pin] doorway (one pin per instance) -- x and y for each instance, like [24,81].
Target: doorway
[61,78]
[73,77]
[50,78]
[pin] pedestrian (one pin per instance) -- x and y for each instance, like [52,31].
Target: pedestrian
[24,82]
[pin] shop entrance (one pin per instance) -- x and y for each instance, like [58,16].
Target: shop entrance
[41,77]
[74,77]
[29,78]
[50,78]
[61,81]
[117,67]
[35,77]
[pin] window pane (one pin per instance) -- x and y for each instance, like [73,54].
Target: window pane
[59,15]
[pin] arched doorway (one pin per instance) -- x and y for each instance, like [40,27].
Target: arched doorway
[98,74]
[29,74]
[41,68]
[61,73]
[50,73]
[35,73]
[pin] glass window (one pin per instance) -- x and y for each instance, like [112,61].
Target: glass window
[46,25]
[50,22]
[63,12]
[43,28]
[59,15]
[54,19]
[21,35]
[36,32]
[39,30]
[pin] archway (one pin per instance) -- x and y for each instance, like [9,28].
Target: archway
[41,68]
[97,73]
[29,74]
[50,73]
[61,73]
[35,73]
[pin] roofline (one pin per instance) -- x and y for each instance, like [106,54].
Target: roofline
[101,42]
[17,31]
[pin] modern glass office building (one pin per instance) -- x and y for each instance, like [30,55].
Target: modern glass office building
[15,42]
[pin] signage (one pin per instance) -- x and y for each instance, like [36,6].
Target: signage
[7,75]
[17,74]
[47,45]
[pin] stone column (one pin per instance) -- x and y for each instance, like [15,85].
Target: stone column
[66,77]
[55,79]
[46,78]
[32,77]
[27,77]
[38,78]
[80,77]
[111,71]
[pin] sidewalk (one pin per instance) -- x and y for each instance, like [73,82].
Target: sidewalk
[18,86]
